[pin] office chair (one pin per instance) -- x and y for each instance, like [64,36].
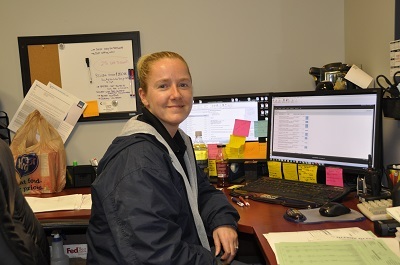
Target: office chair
[23,239]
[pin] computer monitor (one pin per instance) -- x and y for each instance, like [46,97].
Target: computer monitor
[215,116]
[327,128]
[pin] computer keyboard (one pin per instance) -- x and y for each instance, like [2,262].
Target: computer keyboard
[376,210]
[291,193]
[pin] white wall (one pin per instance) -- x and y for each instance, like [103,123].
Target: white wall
[369,29]
[232,46]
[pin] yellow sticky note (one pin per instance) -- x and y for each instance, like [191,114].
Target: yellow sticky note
[274,169]
[307,173]
[234,153]
[236,141]
[92,109]
[290,171]
[212,167]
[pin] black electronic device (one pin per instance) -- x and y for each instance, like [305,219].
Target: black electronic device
[215,116]
[340,128]
[386,227]
[333,209]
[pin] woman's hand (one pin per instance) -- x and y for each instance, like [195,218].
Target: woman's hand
[226,239]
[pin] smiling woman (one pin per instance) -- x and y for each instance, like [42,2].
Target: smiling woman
[151,202]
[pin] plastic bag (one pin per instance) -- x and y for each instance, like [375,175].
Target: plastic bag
[39,155]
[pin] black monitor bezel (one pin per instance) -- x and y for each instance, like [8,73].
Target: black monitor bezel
[378,158]
[238,97]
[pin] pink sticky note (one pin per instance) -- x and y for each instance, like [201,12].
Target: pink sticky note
[241,128]
[212,151]
[334,176]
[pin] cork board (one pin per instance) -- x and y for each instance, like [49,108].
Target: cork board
[44,63]
[110,80]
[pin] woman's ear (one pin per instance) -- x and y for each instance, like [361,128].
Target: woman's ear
[142,96]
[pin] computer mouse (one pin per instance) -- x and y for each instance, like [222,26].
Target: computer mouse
[332,209]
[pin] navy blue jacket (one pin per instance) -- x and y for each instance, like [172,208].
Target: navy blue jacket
[140,210]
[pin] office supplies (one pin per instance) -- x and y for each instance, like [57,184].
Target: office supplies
[388,86]
[386,227]
[237,201]
[88,67]
[291,193]
[313,216]
[131,75]
[294,215]
[376,209]
[244,201]
[333,209]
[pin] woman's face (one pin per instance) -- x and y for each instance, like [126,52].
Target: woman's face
[169,93]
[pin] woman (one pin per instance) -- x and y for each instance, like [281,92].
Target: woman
[151,203]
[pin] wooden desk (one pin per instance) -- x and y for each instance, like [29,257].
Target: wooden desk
[257,219]
[260,218]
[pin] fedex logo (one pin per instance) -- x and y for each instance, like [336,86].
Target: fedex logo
[75,250]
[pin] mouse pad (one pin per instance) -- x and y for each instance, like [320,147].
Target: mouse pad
[313,216]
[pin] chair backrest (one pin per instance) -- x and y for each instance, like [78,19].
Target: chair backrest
[22,238]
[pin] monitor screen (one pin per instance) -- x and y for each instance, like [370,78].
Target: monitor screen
[327,128]
[215,116]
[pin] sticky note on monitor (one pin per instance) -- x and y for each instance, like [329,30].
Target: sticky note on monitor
[241,128]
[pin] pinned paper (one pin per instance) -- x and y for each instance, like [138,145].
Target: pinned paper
[91,110]
[274,169]
[236,141]
[261,128]
[334,176]
[290,171]
[358,77]
[241,128]
[307,173]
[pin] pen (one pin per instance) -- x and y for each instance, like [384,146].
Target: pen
[130,76]
[243,201]
[237,201]
[88,66]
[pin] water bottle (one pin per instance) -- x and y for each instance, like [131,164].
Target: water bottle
[58,256]
[201,152]
[222,167]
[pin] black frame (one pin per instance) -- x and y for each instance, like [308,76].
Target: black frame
[134,36]
[378,162]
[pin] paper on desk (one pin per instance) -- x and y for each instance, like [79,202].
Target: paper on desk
[343,252]
[59,203]
[394,212]
[60,108]
[328,235]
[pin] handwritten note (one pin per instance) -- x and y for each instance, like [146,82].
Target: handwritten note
[290,171]
[274,169]
[99,71]
[334,176]
[307,173]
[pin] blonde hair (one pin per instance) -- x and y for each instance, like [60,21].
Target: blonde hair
[145,62]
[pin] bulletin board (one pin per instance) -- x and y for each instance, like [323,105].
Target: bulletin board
[96,68]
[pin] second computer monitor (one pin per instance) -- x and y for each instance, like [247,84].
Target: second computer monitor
[331,128]
[215,116]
